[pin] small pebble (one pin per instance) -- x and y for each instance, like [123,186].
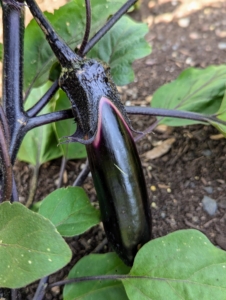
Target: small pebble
[153,188]
[184,22]
[206,152]
[222,46]
[208,189]
[195,219]
[153,205]
[163,214]
[209,205]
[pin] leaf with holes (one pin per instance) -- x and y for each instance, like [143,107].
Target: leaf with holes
[93,265]
[30,246]
[69,209]
[181,265]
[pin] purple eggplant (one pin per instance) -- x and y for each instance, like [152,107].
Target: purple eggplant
[104,127]
[119,182]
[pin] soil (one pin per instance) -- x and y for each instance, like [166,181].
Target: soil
[195,165]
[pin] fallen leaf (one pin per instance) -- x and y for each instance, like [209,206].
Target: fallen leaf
[160,150]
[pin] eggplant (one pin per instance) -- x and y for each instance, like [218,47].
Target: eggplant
[119,182]
[104,127]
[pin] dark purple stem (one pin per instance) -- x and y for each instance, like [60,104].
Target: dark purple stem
[5,125]
[40,291]
[5,169]
[134,110]
[44,100]
[13,27]
[59,47]
[88,25]
[62,169]
[82,175]
[110,23]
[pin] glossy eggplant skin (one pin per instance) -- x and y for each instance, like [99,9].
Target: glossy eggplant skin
[119,183]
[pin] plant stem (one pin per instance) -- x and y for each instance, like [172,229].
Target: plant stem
[82,175]
[14,197]
[133,110]
[44,100]
[88,25]
[33,185]
[13,33]
[40,292]
[62,169]
[101,277]
[111,22]
[5,125]
[5,169]
[62,51]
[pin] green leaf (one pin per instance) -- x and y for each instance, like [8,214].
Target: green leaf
[1,51]
[69,23]
[92,265]
[181,265]
[67,128]
[221,115]
[30,246]
[69,209]
[194,90]
[120,47]
[40,144]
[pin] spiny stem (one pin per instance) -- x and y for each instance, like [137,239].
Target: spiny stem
[13,34]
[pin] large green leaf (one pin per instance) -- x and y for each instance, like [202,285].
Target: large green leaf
[92,265]
[182,265]
[69,209]
[40,144]
[120,47]
[30,246]
[67,128]
[194,90]
[69,23]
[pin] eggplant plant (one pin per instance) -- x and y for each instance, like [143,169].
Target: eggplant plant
[104,127]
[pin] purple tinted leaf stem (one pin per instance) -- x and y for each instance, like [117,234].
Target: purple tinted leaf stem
[82,175]
[110,23]
[88,25]
[44,100]
[40,291]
